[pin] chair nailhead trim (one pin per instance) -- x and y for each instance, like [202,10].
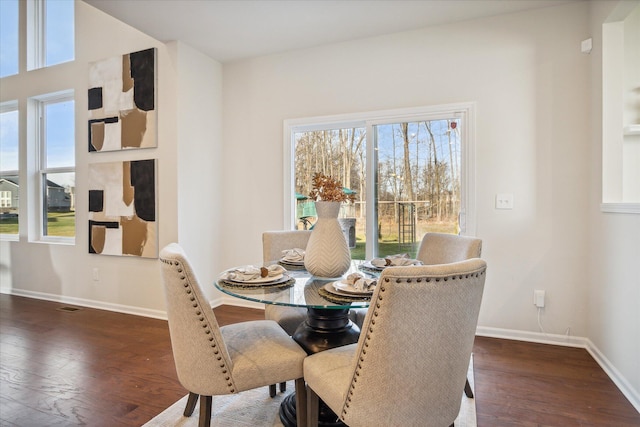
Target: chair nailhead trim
[363,351]
[376,313]
[203,321]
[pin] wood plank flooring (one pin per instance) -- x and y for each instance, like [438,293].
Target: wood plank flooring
[98,368]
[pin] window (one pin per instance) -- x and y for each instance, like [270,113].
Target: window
[9,37]
[56,166]
[9,156]
[410,171]
[51,33]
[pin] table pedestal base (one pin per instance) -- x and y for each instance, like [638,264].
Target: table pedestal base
[327,418]
[324,329]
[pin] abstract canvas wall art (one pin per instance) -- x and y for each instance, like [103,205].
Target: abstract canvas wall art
[122,208]
[122,102]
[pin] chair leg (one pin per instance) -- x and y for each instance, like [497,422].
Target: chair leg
[191,404]
[313,408]
[301,402]
[283,387]
[205,411]
[467,390]
[272,390]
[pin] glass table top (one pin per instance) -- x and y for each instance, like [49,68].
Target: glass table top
[304,293]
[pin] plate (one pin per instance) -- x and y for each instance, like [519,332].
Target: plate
[349,289]
[296,263]
[259,279]
[370,266]
[332,290]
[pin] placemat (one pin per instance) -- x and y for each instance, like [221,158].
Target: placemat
[339,299]
[282,283]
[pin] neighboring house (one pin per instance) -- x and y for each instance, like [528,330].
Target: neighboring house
[9,195]
[58,199]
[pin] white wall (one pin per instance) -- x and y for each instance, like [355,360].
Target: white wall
[614,276]
[530,82]
[133,284]
[200,178]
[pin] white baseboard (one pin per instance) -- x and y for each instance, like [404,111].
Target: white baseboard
[119,308]
[627,389]
[568,341]
[539,337]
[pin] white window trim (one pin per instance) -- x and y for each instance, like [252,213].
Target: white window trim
[368,120]
[39,169]
[36,48]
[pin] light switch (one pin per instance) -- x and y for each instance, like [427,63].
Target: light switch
[504,201]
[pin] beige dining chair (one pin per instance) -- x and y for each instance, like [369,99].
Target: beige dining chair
[273,243]
[211,360]
[407,369]
[441,248]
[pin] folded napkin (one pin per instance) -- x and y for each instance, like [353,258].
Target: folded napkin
[250,272]
[361,283]
[293,255]
[394,260]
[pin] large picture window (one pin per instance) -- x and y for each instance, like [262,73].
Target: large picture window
[409,170]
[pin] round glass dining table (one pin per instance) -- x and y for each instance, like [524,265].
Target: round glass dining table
[327,324]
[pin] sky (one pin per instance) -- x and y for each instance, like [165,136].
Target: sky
[59,42]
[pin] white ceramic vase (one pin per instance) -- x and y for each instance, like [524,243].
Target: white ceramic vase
[327,253]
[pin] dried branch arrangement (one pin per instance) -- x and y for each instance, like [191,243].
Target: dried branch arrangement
[327,189]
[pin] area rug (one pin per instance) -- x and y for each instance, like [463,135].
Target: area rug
[254,408]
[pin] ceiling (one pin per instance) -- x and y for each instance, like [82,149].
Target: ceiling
[237,29]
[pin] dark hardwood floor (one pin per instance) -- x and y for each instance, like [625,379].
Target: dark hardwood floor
[99,368]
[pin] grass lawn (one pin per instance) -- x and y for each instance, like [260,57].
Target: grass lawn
[62,224]
[388,244]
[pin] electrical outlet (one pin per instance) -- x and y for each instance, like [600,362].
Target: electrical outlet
[96,275]
[538,298]
[504,201]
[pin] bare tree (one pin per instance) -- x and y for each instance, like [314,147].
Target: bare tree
[407,177]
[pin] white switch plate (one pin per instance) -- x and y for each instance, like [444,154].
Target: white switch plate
[504,201]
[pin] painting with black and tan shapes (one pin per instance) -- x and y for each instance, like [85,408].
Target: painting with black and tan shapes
[122,208]
[122,102]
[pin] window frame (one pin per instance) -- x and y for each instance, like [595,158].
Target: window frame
[37,105]
[466,111]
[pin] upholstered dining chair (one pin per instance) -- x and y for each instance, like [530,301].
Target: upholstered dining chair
[444,248]
[407,368]
[212,360]
[441,248]
[273,243]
